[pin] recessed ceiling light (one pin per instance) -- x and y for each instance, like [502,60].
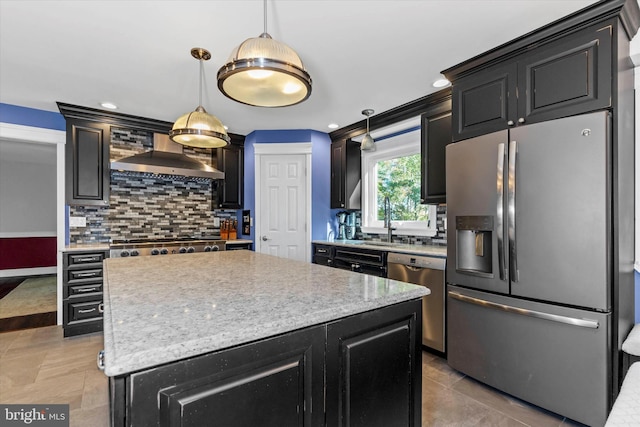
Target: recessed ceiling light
[109,105]
[333,126]
[441,83]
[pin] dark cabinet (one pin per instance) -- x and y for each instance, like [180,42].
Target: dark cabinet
[87,163]
[435,135]
[374,368]
[275,382]
[231,189]
[323,254]
[360,260]
[82,283]
[564,77]
[345,174]
[371,362]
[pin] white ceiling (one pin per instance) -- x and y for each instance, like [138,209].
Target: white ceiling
[360,53]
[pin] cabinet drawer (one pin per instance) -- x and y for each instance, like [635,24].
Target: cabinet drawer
[86,289]
[75,275]
[83,259]
[85,310]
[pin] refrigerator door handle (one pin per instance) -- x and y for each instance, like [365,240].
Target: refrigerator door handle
[511,202]
[585,323]
[500,211]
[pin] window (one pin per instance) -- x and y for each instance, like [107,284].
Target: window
[393,171]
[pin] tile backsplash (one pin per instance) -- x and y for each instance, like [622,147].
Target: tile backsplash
[147,206]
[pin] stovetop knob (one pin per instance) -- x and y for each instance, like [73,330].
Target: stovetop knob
[164,251]
[191,250]
[135,252]
[182,250]
[124,253]
[155,251]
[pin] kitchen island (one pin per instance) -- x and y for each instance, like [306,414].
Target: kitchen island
[250,339]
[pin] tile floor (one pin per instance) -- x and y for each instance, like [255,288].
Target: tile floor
[40,366]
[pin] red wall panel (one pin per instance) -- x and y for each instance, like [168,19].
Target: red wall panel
[27,252]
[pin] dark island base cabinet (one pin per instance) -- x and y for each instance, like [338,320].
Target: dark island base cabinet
[372,369]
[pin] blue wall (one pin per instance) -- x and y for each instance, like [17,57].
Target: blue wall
[31,117]
[321,213]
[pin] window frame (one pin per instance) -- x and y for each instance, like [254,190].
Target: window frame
[398,145]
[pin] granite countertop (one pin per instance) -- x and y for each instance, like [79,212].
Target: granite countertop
[73,247]
[238,241]
[162,309]
[431,250]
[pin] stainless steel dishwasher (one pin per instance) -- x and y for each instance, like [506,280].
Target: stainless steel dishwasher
[425,271]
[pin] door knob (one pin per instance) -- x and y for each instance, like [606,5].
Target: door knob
[265,238]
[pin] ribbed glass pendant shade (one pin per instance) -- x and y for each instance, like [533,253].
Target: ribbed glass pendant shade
[199,129]
[265,73]
[367,144]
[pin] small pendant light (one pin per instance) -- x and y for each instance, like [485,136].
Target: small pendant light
[199,128]
[367,144]
[264,73]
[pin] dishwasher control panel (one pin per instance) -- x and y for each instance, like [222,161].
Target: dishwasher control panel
[416,260]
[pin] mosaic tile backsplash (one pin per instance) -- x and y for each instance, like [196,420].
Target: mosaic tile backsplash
[147,206]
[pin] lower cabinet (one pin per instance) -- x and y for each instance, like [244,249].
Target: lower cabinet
[371,362]
[374,368]
[82,292]
[359,260]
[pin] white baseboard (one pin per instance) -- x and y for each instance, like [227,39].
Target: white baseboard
[15,272]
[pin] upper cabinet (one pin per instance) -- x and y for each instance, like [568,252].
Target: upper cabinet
[231,189]
[345,174]
[87,163]
[435,135]
[567,76]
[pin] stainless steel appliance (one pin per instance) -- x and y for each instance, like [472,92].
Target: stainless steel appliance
[429,272]
[529,295]
[161,246]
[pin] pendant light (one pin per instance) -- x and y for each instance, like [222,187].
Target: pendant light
[367,144]
[264,73]
[199,128]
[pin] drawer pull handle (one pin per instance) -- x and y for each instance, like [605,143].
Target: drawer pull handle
[86,290]
[92,259]
[101,308]
[92,274]
[585,323]
[87,311]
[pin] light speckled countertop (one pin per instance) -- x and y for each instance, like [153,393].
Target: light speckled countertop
[431,250]
[76,247]
[162,309]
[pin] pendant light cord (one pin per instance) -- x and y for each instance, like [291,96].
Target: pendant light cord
[200,84]
[265,16]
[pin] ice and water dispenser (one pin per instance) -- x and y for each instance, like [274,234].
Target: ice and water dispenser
[474,235]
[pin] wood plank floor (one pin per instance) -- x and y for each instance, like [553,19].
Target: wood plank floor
[40,366]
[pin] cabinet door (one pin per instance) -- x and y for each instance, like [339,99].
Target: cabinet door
[273,383]
[485,101]
[87,163]
[338,174]
[566,77]
[374,368]
[231,189]
[436,134]
[345,174]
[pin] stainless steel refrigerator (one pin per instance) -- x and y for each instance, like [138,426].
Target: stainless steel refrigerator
[529,299]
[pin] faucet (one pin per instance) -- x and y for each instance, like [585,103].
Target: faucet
[387,218]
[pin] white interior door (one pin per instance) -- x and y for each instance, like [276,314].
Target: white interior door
[283,205]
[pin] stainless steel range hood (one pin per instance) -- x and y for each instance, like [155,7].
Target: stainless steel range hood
[166,158]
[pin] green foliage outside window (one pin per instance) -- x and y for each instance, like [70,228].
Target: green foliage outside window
[399,179]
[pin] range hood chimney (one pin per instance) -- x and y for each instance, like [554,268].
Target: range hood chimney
[166,158]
